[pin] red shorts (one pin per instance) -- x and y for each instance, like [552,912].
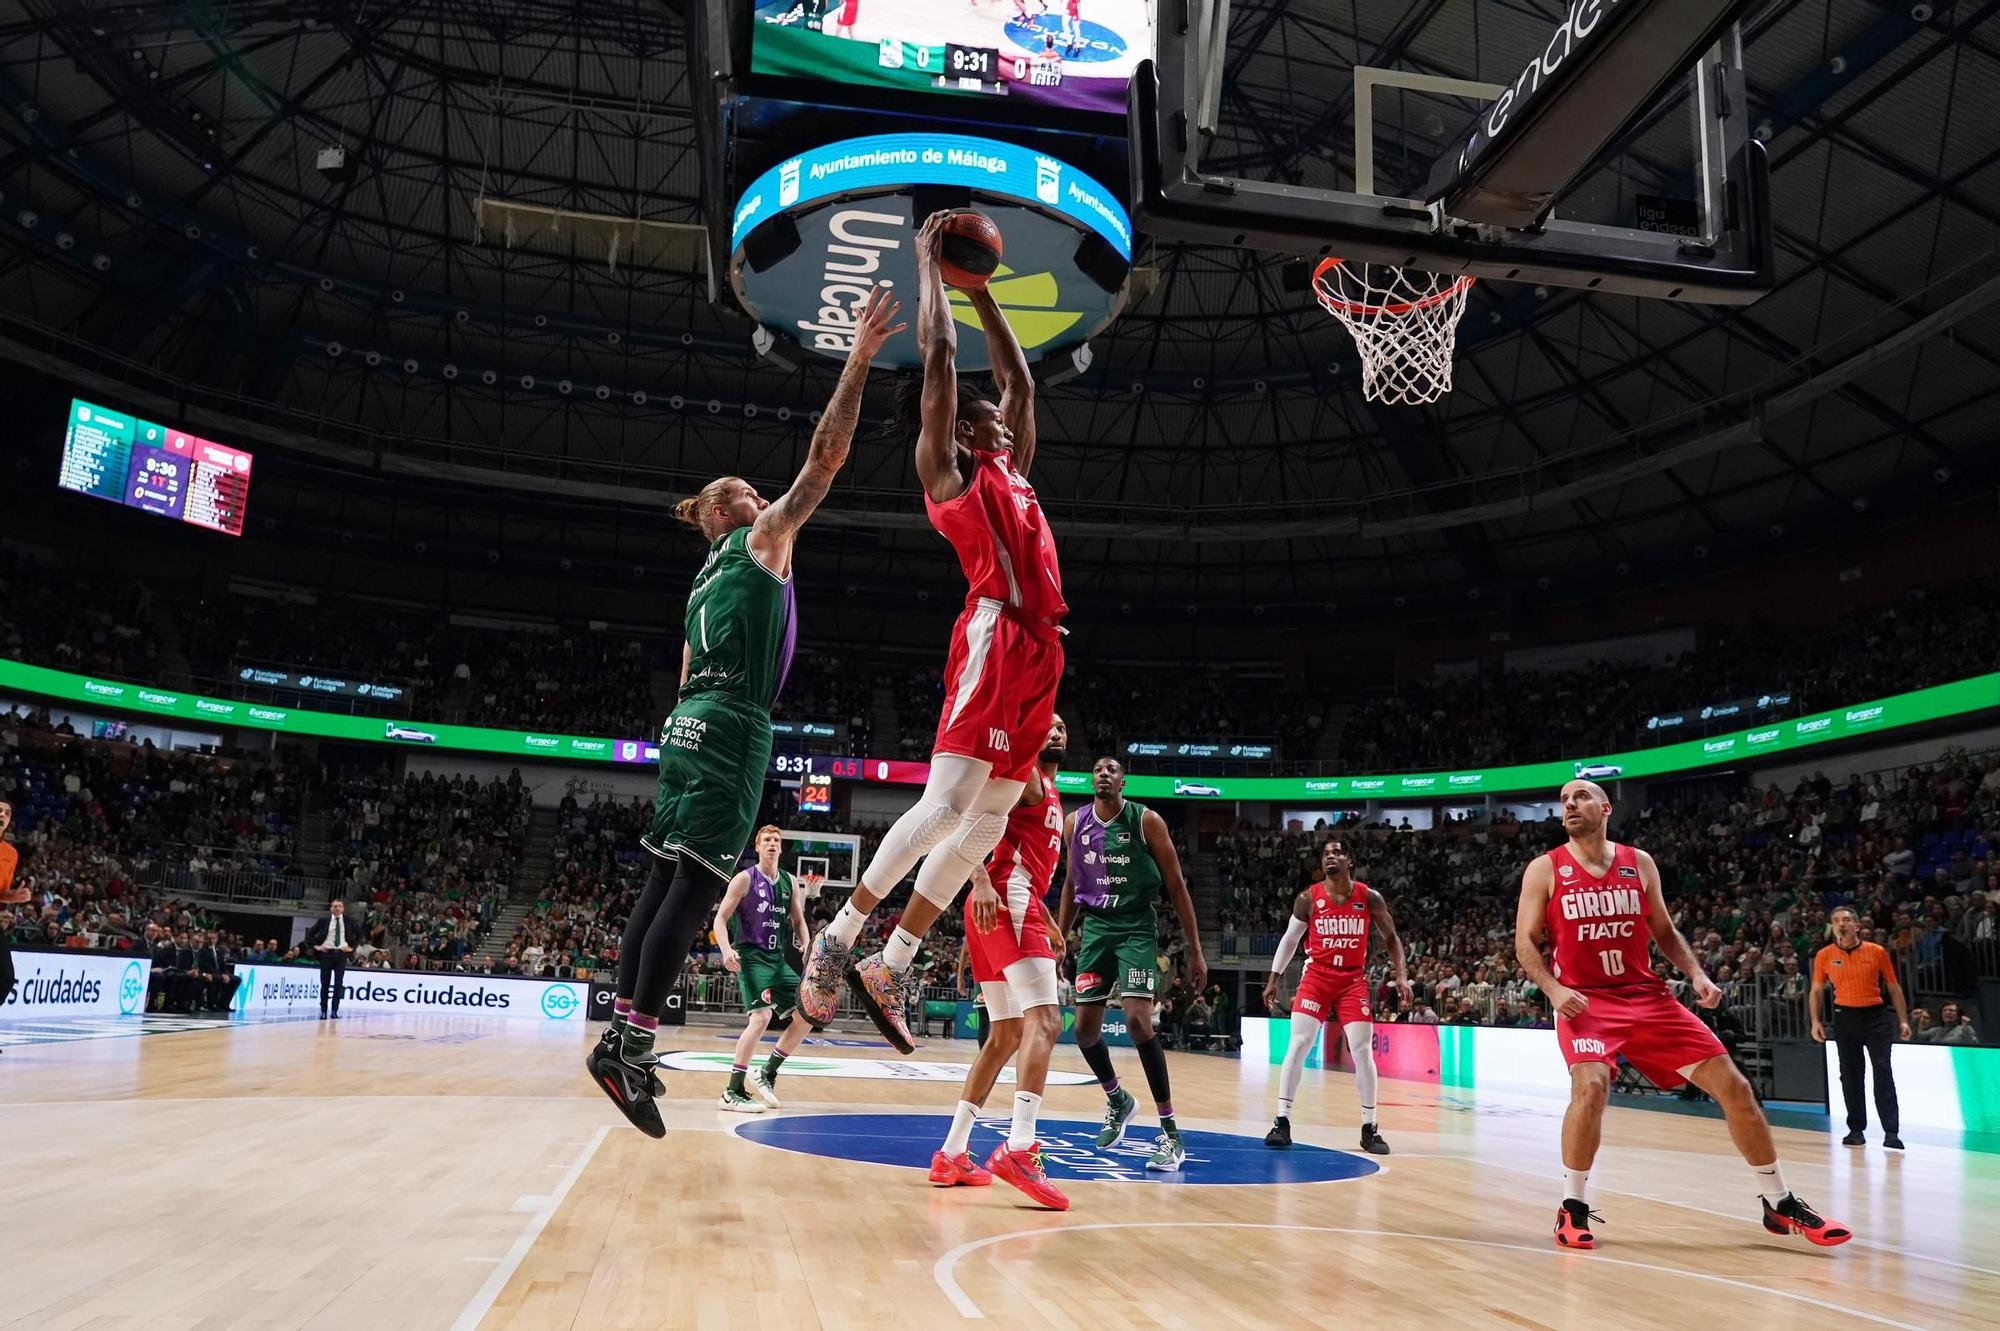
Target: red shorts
[999,690]
[1655,1034]
[1328,993]
[992,953]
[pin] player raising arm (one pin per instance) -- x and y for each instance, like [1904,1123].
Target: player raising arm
[740,625]
[1598,906]
[1005,660]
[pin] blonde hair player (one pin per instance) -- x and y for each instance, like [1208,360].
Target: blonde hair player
[715,748]
[759,916]
[1005,661]
[1334,916]
[1013,947]
[1599,907]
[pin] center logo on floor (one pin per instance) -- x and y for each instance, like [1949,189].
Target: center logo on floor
[1069,1150]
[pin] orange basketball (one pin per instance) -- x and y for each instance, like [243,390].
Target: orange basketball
[971,250]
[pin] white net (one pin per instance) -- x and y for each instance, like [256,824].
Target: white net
[1404,322]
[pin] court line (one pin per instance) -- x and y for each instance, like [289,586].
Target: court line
[482,1302]
[1735,1216]
[944,1270]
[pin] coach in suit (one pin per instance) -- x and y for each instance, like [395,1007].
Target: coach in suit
[212,965]
[332,942]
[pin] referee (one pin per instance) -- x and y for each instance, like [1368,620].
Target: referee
[9,896]
[1858,972]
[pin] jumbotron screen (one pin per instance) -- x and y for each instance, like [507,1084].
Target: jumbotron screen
[1072,55]
[155,468]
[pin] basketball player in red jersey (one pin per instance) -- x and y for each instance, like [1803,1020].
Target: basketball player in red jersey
[1598,903]
[1006,657]
[1014,947]
[1333,916]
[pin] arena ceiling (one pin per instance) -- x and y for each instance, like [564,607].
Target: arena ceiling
[164,232]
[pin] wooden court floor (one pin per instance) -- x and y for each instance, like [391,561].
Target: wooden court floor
[461,1172]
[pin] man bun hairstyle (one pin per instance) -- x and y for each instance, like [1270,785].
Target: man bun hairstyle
[695,508]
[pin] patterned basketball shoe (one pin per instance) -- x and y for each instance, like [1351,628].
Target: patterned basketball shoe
[885,996]
[819,988]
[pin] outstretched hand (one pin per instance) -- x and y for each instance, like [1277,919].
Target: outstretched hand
[930,239]
[874,323]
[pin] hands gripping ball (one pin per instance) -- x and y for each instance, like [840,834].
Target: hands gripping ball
[969,250]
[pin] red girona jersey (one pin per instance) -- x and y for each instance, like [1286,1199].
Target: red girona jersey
[1002,540]
[1337,932]
[1029,848]
[1598,927]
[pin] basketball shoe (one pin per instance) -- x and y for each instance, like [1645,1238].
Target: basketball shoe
[957,1171]
[1280,1135]
[1024,1170]
[1116,1115]
[819,987]
[1792,1215]
[760,1085]
[885,996]
[1573,1225]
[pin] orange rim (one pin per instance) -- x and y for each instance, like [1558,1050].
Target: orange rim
[1330,299]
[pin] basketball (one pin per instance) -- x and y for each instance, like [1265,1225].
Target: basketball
[971,250]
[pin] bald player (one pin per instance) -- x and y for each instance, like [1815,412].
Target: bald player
[1599,907]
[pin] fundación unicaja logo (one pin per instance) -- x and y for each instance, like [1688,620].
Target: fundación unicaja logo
[558,1002]
[788,183]
[131,989]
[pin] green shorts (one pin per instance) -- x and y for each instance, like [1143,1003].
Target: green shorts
[767,981]
[1117,960]
[714,754]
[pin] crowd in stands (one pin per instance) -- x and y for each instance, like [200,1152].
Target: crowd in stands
[431,855]
[578,679]
[205,812]
[53,615]
[596,873]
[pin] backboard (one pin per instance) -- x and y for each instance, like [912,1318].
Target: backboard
[1602,144]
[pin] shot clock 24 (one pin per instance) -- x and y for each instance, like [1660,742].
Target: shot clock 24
[155,468]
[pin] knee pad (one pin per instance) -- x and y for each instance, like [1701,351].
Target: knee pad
[978,833]
[937,822]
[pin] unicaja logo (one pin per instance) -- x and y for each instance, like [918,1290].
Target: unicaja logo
[558,1003]
[131,989]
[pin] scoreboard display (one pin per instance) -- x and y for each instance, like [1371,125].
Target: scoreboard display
[1071,55]
[155,468]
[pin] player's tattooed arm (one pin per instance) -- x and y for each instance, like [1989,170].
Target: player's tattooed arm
[832,438]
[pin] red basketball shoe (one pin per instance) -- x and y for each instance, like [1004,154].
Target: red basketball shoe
[1573,1225]
[1794,1215]
[1023,1169]
[957,1171]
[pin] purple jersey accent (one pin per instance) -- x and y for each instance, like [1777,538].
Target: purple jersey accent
[791,637]
[757,913]
[1092,875]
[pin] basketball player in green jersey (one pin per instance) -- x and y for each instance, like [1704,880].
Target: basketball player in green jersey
[1120,857]
[758,920]
[715,748]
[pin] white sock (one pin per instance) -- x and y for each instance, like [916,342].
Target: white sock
[1771,1182]
[960,1135]
[1576,1185]
[1284,1106]
[846,926]
[901,950]
[1022,1135]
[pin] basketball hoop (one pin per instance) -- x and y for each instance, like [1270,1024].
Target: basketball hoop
[1404,322]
